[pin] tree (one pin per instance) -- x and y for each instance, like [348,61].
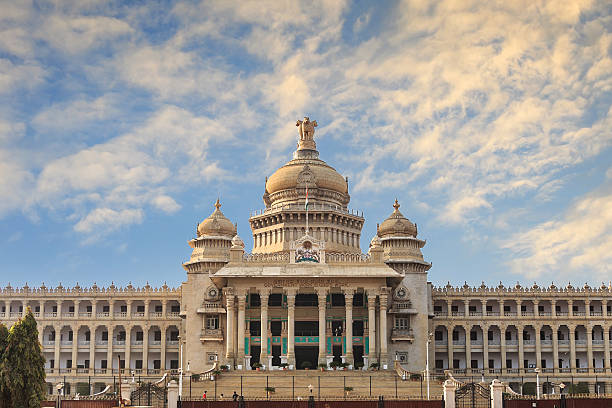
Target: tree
[23,366]
[4,395]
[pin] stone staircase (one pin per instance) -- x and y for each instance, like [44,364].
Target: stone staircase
[328,384]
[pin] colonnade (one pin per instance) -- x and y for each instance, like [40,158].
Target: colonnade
[236,305]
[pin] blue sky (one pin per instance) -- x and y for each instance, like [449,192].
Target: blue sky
[121,122]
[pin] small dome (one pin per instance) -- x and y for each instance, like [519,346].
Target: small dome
[375,242]
[217,224]
[237,242]
[397,225]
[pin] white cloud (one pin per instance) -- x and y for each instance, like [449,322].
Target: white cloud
[577,245]
[104,220]
[166,204]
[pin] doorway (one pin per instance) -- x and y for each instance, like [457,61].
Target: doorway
[255,353]
[358,355]
[306,357]
[337,354]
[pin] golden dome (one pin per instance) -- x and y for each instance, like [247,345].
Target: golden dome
[314,173]
[217,224]
[396,225]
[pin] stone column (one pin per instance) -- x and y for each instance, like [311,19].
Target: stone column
[590,348]
[485,347]
[497,389]
[128,348]
[146,310]
[572,338]
[56,354]
[501,308]
[92,347]
[94,309]
[449,304]
[553,307]
[75,345]
[111,308]
[145,346]
[467,307]
[521,348]
[468,349]
[291,326]
[164,308]
[322,297]
[77,305]
[383,328]
[372,327]
[570,307]
[502,342]
[129,308]
[163,346]
[263,356]
[348,304]
[536,304]
[229,333]
[555,344]
[109,353]
[450,331]
[606,347]
[538,345]
[173,393]
[241,315]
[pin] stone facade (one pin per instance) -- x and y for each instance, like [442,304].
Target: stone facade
[307,295]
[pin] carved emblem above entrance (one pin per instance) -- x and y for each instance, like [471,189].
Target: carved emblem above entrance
[307,250]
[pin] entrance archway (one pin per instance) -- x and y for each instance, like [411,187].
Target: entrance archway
[306,357]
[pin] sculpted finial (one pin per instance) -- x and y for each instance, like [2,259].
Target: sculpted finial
[306,128]
[396,205]
[217,204]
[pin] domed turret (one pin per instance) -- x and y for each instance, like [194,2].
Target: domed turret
[216,224]
[396,225]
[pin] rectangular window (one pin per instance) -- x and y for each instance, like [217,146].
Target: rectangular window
[105,309]
[122,363]
[158,308]
[490,335]
[358,299]
[489,308]
[86,363]
[438,335]
[454,308]
[121,336]
[139,336]
[174,364]
[526,364]
[157,335]
[455,335]
[275,299]
[540,308]
[174,335]
[473,335]
[140,309]
[491,363]
[455,364]
[87,336]
[577,363]
[104,336]
[70,334]
[139,364]
[543,363]
[68,363]
[402,323]
[506,308]
[337,299]
[357,327]
[508,335]
[439,365]
[508,363]
[123,309]
[70,309]
[175,308]
[37,309]
[212,322]
[255,328]
[472,308]
[103,364]
[156,364]
[437,308]
[276,327]
[51,363]
[523,308]
[526,336]
[54,309]
[88,309]
[474,364]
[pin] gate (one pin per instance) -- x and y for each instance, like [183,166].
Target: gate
[151,395]
[473,395]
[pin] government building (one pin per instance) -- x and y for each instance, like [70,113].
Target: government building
[307,295]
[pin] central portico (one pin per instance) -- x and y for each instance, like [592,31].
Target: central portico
[306,295]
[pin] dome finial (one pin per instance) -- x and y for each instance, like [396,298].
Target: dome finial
[306,129]
[217,204]
[396,205]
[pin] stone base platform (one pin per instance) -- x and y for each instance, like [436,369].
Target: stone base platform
[302,383]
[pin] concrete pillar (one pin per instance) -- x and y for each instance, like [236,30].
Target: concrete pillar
[485,348]
[111,308]
[109,353]
[94,309]
[468,349]
[466,307]
[173,392]
[555,344]
[128,348]
[538,345]
[56,355]
[383,330]
[164,308]
[92,348]
[450,331]
[75,345]
[241,328]
[590,348]
[126,392]
[229,333]
[264,296]
[502,342]
[449,394]
[291,327]
[606,348]
[372,327]
[497,389]
[570,307]
[348,302]
[129,308]
[322,298]
[572,335]
[145,347]
[521,347]
[163,329]
[553,308]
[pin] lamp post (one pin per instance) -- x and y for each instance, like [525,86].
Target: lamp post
[537,371]
[429,335]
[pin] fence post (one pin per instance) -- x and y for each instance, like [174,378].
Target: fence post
[449,394]
[172,394]
[497,389]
